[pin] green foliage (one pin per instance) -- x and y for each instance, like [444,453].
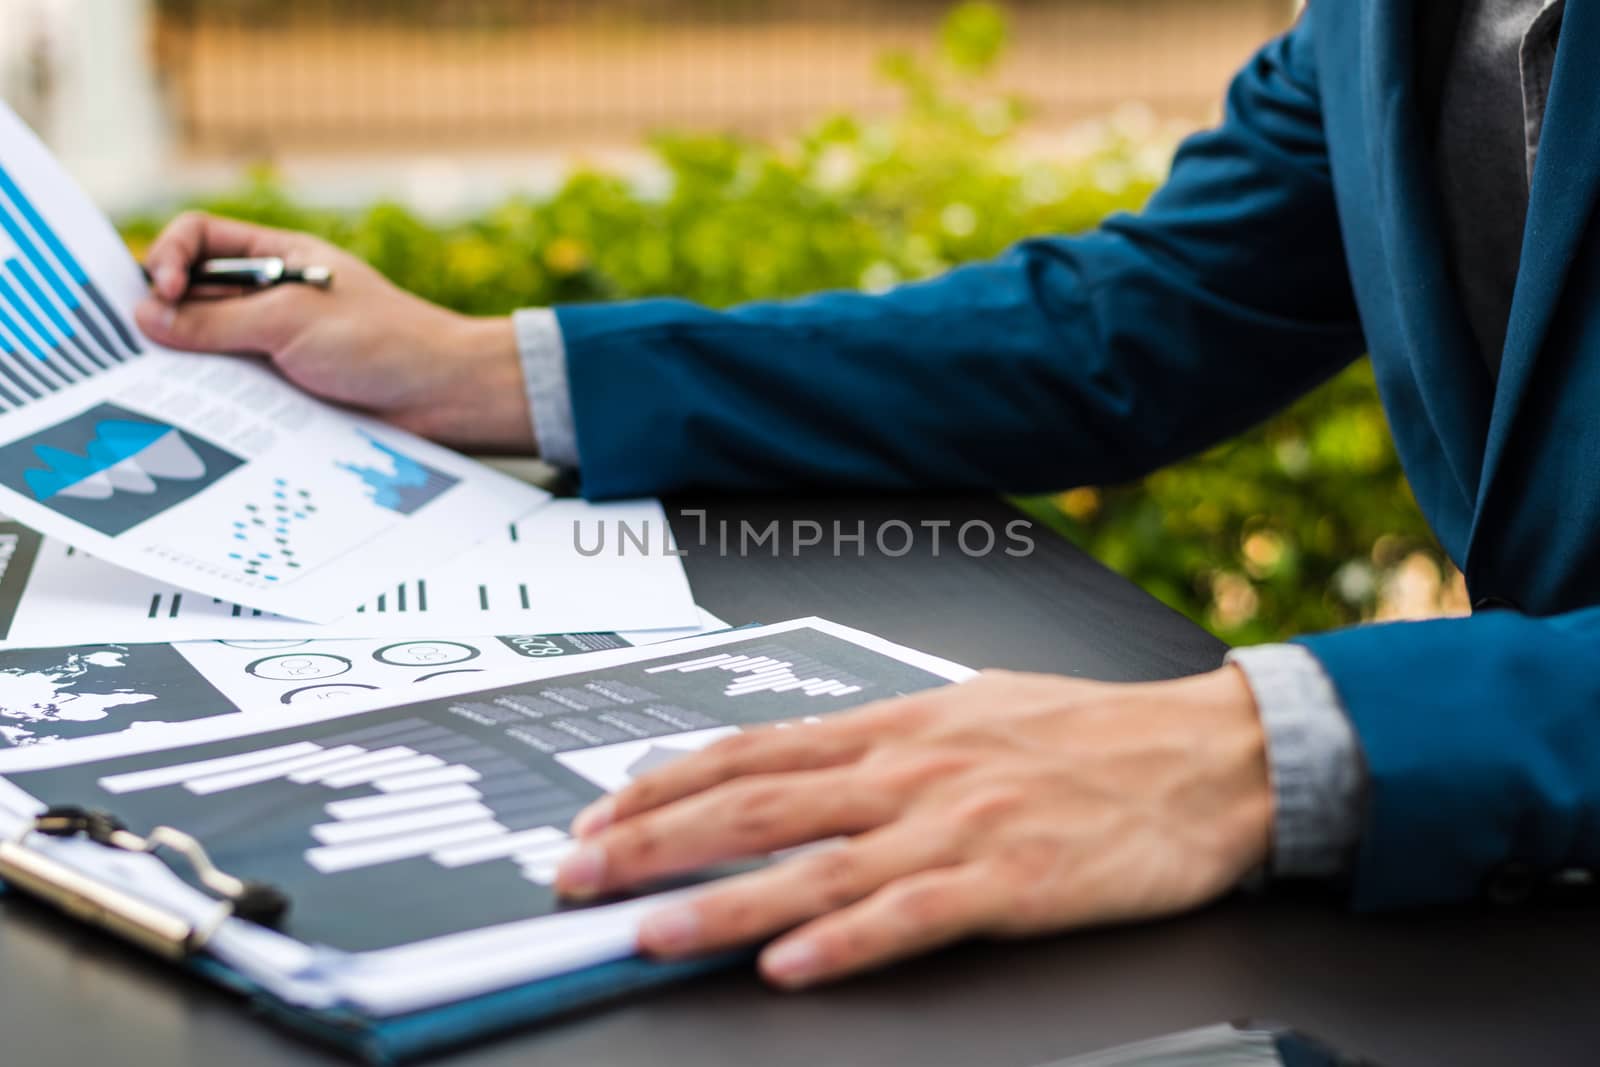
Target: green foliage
[973,36]
[1291,527]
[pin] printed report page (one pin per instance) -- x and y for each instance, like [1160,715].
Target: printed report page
[209,473]
[542,574]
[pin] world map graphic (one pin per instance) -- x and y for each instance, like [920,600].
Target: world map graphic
[54,693]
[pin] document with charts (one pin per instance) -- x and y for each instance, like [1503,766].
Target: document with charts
[419,842]
[49,695]
[209,473]
[571,566]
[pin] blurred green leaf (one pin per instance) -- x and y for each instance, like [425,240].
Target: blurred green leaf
[973,36]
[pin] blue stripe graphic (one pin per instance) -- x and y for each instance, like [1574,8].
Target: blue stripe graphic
[27,342]
[40,264]
[74,297]
[9,187]
[21,307]
[10,372]
[94,331]
[32,288]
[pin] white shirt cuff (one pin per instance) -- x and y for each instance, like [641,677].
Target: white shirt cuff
[544,374]
[1313,757]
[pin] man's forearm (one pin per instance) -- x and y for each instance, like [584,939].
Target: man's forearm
[1313,754]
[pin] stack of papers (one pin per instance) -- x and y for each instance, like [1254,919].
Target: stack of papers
[158,498]
[359,667]
[419,841]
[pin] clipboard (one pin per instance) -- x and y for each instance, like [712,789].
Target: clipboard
[180,941]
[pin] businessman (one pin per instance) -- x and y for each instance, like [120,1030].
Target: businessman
[1417,179]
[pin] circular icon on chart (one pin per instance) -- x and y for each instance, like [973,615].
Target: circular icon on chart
[266,644]
[311,694]
[425,653]
[298,666]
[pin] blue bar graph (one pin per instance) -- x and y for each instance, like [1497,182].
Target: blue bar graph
[28,344]
[17,383]
[63,327]
[56,327]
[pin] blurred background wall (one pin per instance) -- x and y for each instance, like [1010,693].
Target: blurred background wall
[450,103]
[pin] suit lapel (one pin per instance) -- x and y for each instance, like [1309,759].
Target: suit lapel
[1566,182]
[1451,379]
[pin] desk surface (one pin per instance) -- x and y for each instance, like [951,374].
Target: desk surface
[1455,990]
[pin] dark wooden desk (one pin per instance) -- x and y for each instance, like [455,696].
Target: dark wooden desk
[1449,990]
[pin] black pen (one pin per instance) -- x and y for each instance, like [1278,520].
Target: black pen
[261,272]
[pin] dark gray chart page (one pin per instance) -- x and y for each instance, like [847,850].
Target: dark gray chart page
[437,817]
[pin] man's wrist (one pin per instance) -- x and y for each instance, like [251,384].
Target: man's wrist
[484,403]
[1214,717]
[1244,745]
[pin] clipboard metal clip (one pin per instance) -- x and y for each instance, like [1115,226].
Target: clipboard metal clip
[119,912]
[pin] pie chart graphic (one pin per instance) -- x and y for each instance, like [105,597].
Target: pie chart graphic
[111,468]
[123,457]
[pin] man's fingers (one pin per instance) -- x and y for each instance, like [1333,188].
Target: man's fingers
[766,750]
[250,324]
[776,898]
[748,817]
[909,915]
[194,236]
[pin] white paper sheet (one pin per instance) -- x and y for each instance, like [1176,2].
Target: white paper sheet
[54,695]
[211,474]
[544,574]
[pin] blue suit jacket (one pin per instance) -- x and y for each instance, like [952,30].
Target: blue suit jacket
[1302,231]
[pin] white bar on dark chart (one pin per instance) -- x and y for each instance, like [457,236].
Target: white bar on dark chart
[331,859]
[221,783]
[549,852]
[761,678]
[497,848]
[182,772]
[798,683]
[689,663]
[389,803]
[347,833]
[848,690]
[366,759]
[772,682]
[411,765]
[452,775]
[720,661]
[764,672]
[764,683]
[541,873]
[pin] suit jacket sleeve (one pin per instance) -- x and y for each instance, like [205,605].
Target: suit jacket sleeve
[1481,738]
[1064,361]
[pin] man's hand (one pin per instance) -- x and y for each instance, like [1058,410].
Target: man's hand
[364,343]
[1010,805]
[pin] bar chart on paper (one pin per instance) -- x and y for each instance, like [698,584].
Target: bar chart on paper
[431,792]
[769,669]
[56,328]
